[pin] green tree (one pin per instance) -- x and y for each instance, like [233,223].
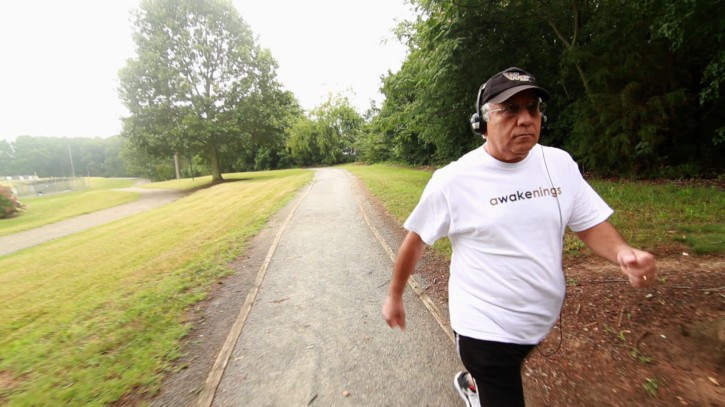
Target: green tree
[44,156]
[140,164]
[329,136]
[51,157]
[112,164]
[199,83]
[302,143]
[7,155]
[635,85]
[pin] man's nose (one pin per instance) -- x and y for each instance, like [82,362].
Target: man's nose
[525,118]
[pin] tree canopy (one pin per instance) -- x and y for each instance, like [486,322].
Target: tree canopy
[327,135]
[62,157]
[635,85]
[636,91]
[200,83]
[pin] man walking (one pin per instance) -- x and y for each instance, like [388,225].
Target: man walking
[505,207]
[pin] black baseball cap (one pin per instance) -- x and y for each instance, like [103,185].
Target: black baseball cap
[509,82]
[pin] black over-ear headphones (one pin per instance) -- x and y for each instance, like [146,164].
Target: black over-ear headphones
[478,121]
[478,125]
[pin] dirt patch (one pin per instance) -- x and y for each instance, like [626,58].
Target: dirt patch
[620,346]
[8,381]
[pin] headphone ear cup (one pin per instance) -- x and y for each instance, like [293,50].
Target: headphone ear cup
[478,125]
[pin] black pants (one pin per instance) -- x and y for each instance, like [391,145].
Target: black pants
[496,368]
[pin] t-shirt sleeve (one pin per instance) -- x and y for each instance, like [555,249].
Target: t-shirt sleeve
[589,208]
[431,217]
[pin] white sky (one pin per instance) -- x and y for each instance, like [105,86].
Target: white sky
[59,59]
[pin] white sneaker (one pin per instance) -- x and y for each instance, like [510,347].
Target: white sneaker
[460,382]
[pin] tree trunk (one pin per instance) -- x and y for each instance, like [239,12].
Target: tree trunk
[570,44]
[216,174]
[176,166]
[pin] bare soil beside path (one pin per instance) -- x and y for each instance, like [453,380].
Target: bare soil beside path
[619,346]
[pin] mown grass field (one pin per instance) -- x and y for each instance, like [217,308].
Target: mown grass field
[96,315]
[653,216]
[43,210]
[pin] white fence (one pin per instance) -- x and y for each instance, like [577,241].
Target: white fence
[48,186]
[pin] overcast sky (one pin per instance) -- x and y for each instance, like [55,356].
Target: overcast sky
[59,60]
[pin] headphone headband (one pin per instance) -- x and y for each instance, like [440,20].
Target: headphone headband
[478,98]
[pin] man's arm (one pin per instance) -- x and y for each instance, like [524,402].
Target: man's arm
[605,241]
[410,252]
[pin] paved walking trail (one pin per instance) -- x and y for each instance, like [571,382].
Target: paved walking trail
[315,335]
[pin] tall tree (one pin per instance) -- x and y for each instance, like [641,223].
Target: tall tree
[199,83]
[6,158]
[635,85]
[328,136]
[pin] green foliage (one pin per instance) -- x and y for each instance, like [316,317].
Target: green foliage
[6,156]
[646,107]
[651,386]
[51,157]
[328,136]
[141,164]
[9,204]
[641,357]
[200,84]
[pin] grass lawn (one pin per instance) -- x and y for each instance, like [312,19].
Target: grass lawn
[182,184]
[653,216]
[90,317]
[46,209]
[656,215]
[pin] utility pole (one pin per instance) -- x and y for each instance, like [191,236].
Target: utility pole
[72,170]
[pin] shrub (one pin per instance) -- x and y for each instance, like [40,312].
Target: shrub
[9,204]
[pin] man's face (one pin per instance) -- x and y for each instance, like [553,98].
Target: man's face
[511,133]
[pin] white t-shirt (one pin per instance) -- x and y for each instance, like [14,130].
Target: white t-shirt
[506,223]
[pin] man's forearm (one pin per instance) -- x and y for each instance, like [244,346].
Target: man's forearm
[603,240]
[410,252]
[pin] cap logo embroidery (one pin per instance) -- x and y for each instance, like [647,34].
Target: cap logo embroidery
[515,76]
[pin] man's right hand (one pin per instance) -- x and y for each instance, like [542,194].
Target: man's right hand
[394,312]
[409,253]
